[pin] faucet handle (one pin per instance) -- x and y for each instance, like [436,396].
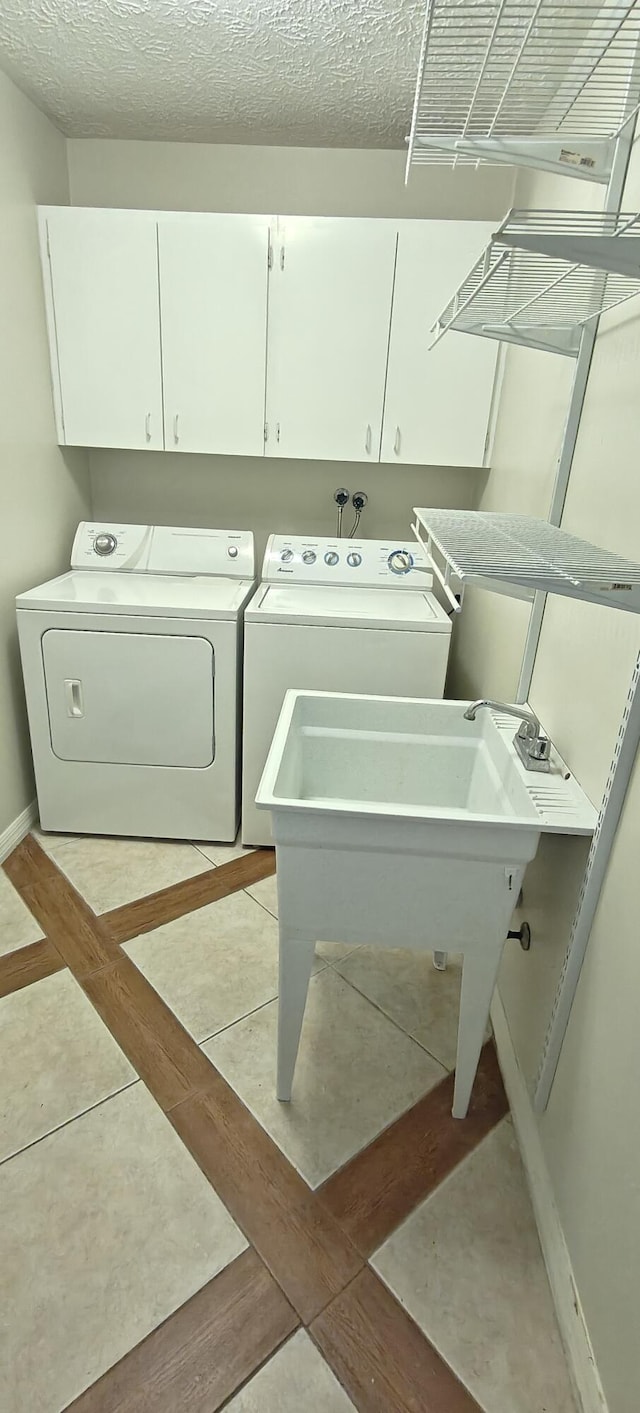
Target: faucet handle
[540,748]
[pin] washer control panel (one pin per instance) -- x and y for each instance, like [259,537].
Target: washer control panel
[369,563]
[164,549]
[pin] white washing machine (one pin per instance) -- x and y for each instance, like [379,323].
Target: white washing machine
[335,616]
[132,667]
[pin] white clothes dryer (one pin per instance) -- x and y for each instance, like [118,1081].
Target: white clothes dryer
[335,616]
[132,668]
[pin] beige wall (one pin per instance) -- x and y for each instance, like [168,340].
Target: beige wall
[590,1132]
[43,492]
[294,181]
[269,494]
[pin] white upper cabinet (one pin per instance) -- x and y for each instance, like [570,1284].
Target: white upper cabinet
[105,326]
[437,402]
[329,312]
[213,295]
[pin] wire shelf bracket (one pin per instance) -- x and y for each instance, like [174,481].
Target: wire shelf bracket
[520,555]
[535,83]
[545,277]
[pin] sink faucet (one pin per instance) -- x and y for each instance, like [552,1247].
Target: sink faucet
[533,747]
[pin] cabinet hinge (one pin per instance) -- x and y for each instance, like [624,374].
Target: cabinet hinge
[282,257]
[270,256]
[266,431]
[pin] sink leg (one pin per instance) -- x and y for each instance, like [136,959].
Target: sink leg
[296,961]
[479,972]
[440,960]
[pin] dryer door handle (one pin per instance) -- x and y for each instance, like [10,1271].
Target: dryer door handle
[73,696]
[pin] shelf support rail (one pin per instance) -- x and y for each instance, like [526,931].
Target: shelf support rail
[629,733]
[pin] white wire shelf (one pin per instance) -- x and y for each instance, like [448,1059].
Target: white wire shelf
[518,555]
[544,277]
[540,83]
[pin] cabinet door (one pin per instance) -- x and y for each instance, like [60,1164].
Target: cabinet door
[437,402]
[104,286]
[329,311]
[213,296]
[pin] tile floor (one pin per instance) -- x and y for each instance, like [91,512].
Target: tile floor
[116,1214]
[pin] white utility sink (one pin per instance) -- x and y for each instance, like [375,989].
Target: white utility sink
[406,759]
[399,823]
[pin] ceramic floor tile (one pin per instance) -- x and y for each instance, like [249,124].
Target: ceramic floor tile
[223,853]
[409,989]
[467,1265]
[214,965]
[266,893]
[56,1060]
[17,926]
[48,841]
[113,1226]
[111,872]
[295,1378]
[355,1073]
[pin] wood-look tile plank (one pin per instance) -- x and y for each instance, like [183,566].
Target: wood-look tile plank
[198,1358]
[309,1255]
[63,915]
[380,1356]
[160,1049]
[383,1183]
[27,964]
[169,903]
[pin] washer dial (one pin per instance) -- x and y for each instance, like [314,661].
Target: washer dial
[354,559]
[331,557]
[309,557]
[105,543]
[232,551]
[400,561]
[286,556]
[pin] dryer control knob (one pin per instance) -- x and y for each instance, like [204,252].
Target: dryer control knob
[331,557]
[354,559]
[232,551]
[105,544]
[286,556]
[309,557]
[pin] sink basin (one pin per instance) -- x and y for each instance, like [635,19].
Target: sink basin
[417,760]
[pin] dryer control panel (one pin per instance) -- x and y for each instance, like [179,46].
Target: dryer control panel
[163,549]
[368,563]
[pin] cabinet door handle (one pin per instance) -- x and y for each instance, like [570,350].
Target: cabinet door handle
[176,437]
[147,426]
[367,440]
[396,442]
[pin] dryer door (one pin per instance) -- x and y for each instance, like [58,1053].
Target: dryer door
[130,698]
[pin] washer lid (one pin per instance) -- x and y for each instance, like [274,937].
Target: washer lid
[342,607]
[142,595]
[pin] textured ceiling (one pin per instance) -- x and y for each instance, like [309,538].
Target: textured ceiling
[300,72]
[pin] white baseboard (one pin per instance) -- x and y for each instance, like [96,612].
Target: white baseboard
[573,1329]
[15,832]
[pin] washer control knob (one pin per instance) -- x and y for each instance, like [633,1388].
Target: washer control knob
[331,557]
[232,551]
[400,561]
[354,559]
[309,557]
[286,556]
[105,544]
